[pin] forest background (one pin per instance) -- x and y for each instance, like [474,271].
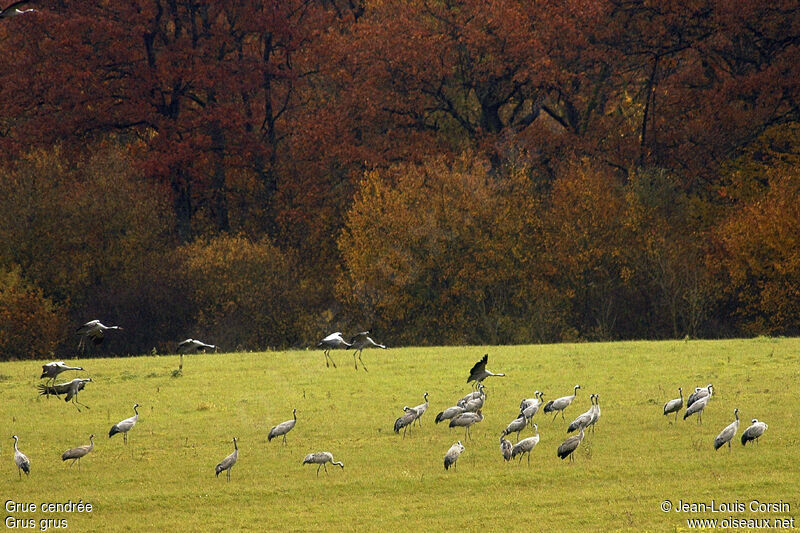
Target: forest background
[258,174]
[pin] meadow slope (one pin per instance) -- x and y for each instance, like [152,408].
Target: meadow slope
[164,479]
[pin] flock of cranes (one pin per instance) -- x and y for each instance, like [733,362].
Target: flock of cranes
[698,401]
[467,411]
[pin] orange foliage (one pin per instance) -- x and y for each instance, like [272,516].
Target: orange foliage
[30,324]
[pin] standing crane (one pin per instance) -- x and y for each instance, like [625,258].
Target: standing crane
[76,453]
[584,419]
[21,460]
[52,370]
[95,331]
[754,431]
[452,455]
[421,408]
[320,458]
[478,372]
[449,413]
[595,412]
[505,447]
[228,462]
[559,404]
[71,389]
[697,407]
[569,446]
[332,341]
[728,433]
[526,445]
[530,406]
[405,420]
[698,394]
[125,426]
[283,428]
[466,420]
[362,340]
[673,406]
[516,426]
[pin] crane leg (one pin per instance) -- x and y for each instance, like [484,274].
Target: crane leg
[362,363]
[284,439]
[554,416]
[326,467]
[318,467]
[529,458]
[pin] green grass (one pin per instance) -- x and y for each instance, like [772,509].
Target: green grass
[164,479]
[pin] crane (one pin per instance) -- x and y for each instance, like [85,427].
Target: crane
[362,340]
[753,432]
[569,446]
[478,372]
[283,428]
[194,346]
[405,420]
[526,445]
[70,388]
[76,453]
[125,426]
[673,406]
[228,462]
[21,460]
[12,10]
[466,420]
[559,404]
[320,458]
[332,341]
[95,331]
[728,433]
[452,455]
[421,408]
[52,370]
[697,407]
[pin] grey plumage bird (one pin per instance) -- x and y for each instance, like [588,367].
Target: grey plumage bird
[76,453]
[726,435]
[473,395]
[569,446]
[362,340]
[699,393]
[559,404]
[698,406]
[595,412]
[95,331]
[126,425]
[583,420]
[452,455]
[526,445]
[449,413]
[673,406]
[505,447]
[12,10]
[52,370]
[530,406]
[70,388]
[753,432]
[320,458]
[21,460]
[478,372]
[516,426]
[194,346]
[466,420]
[283,428]
[405,420]
[227,463]
[420,409]
[331,342]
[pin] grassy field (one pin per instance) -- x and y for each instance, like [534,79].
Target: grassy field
[164,479]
